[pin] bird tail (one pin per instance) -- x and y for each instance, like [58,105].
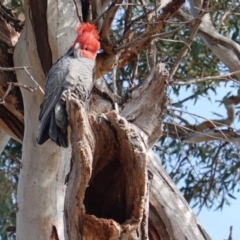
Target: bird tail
[56,134]
[49,129]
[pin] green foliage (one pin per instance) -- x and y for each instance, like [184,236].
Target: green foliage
[207,173]
[9,170]
[17,6]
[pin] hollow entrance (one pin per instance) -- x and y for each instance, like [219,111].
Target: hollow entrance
[105,196]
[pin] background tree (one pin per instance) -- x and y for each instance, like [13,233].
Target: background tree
[136,39]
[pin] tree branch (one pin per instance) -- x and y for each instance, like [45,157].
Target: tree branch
[141,114]
[224,48]
[106,59]
[21,85]
[204,79]
[83,145]
[193,32]
[83,165]
[133,157]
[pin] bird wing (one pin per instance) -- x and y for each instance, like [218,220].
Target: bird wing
[54,84]
[70,73]
[53,91]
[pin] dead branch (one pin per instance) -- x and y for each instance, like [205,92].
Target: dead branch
[83,145]
[193,33]
[24,86]
[151,55]
[14,84]
[132,156]
[189,135]
[106,59]
[139,110]
[25,68]
[114,79]
[32,78]
[134,74]
[106,27]
[208,33]
[230,233]
[213,135]
[204,79]
[229,104]
[13,68]
[204,126]
[2,100]
[95,21]
[15,159]
[128,17]
[215,41]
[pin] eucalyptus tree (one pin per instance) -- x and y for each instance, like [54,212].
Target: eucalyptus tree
[110,184]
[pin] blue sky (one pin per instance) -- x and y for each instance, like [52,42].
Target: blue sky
[217,223]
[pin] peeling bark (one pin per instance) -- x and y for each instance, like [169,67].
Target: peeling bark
[130,157]
[54,235]
[13,123]
[140,111]
[133,159]
[3,141]
[41,188]
[11,112]
[169,215]
[121,191]
[8,34]
[39,21]
[83,145]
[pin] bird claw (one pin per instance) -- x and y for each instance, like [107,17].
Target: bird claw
[68,94]
[73,95]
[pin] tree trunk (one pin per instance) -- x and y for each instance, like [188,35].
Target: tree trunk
[41,188]
[115,187]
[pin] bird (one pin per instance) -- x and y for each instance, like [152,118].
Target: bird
[73,71]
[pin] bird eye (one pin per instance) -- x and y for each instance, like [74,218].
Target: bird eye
[86,48]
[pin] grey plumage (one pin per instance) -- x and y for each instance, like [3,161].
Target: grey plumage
[70,72]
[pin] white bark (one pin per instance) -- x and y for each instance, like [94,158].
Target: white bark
[62,21]
[41,188]
[172,204]
[4,138]
[212,135]
[5,129]
[224,48]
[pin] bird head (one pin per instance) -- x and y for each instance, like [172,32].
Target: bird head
[88,40]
